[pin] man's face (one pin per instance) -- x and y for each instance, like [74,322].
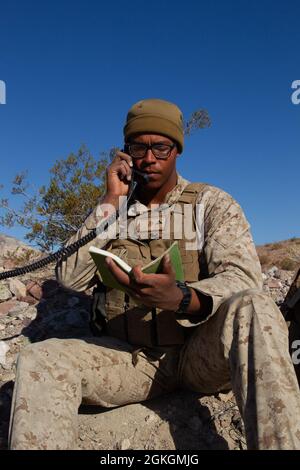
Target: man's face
[159,170]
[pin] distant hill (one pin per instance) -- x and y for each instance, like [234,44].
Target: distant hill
[283,254]
[11,247]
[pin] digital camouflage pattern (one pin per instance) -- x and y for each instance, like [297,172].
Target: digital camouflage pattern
[242,344]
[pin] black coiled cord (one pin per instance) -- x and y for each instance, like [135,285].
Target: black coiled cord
[60,254]
[67,251]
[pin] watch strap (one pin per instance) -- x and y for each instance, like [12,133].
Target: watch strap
[186,299]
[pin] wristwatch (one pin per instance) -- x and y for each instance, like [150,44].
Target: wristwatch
[185,302]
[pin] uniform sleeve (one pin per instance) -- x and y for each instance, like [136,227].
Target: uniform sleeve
[78,271]
[228,253]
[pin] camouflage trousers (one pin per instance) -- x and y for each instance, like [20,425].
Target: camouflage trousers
[244,346]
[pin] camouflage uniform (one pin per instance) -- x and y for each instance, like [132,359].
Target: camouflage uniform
[242,344]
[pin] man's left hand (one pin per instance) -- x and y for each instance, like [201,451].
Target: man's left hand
[152,290]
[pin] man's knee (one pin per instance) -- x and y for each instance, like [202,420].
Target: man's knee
[253,308]
[254,302]
[43,352]
[247,296]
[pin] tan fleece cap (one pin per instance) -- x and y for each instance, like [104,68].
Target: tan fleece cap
[157,117]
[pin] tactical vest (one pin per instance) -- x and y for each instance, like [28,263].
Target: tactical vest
[141,325]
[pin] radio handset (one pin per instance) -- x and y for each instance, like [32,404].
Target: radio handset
[143,177]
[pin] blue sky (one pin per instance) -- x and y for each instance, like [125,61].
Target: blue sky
[73,68]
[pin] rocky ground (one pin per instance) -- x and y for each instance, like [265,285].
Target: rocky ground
[34,307]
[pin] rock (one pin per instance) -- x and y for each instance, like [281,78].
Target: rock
[272,271]
[237,422]
[28,299]
[34,289]
[4,348]
[150,418]
[17,308]
[125,444]
[9,264]
[226,396]
[17,288]
[20,316]
[274,283]
[284,276]
[30,313]
[5,307]
[5,293]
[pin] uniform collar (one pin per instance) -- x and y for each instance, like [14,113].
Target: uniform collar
[172,197]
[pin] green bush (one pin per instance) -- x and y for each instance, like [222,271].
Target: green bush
[288,264]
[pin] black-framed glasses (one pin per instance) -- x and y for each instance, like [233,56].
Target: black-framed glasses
[161,151]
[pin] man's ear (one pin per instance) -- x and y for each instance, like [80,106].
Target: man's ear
[177,152]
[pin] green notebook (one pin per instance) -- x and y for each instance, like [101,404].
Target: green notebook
[155,266]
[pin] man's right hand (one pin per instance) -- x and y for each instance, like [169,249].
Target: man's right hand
[118,176]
